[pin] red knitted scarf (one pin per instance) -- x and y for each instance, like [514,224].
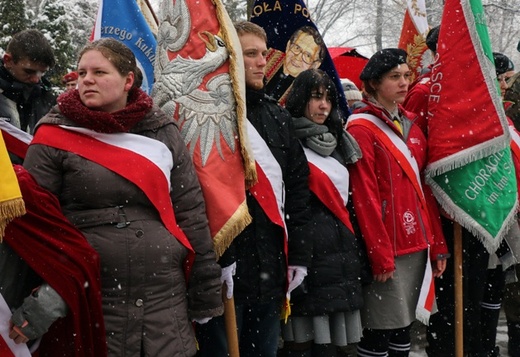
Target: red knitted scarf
[121,121]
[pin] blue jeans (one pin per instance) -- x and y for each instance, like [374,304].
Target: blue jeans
[258,332]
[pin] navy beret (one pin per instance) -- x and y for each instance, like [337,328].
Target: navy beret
[381,62]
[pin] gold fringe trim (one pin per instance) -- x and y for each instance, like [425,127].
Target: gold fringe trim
[149,16]
[275,59]
[231,39]
[9,210]
[236,224]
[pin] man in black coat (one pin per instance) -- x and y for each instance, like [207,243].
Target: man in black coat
[267,265]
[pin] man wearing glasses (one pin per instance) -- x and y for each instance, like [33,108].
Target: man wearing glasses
[24,95]
[305,50]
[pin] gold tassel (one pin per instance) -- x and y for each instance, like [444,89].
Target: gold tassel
[236,224]
[11,202]
[9,210]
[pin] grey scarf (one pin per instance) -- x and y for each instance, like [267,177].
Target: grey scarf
[315,136]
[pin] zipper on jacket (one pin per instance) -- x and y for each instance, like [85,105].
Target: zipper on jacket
[383,209]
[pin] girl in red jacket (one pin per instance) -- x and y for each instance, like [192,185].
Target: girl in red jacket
[396,212]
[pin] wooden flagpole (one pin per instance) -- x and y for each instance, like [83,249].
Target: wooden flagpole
[458,290]
[230,320]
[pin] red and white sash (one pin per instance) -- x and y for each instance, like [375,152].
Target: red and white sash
[269,190]
[141,160]
[16,140]
[329,181]
[395,145]
[515,147]
[398,148]
[515,141]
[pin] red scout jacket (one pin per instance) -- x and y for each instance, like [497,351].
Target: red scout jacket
[392,217]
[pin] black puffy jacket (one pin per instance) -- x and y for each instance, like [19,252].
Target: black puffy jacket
[258,250]
[334,280]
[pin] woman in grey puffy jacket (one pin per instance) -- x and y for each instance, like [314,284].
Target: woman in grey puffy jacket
[124,177]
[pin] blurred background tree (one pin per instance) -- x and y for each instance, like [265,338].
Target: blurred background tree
[366,25]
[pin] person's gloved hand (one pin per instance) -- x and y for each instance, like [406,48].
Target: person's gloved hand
[38,312]
[203,320]
[227,278]
[16,334]
[296,274]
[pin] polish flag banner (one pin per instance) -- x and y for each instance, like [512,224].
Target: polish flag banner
[413,36]
[470,168]
[199,82]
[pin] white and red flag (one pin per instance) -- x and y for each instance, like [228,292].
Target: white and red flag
[413,36]
[470,168]
[199,83]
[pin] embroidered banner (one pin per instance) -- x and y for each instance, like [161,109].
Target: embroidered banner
[200,84]
[470,168]
[295,45]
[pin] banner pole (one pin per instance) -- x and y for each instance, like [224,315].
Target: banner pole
[231,323]
[459,305]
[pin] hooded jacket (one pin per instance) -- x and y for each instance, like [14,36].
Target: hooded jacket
[391,218]
[146,300]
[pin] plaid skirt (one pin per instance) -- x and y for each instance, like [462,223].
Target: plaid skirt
[339,328]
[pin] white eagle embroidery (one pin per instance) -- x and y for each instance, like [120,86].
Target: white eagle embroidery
[204,116]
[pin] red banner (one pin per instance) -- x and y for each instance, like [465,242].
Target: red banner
[198,83]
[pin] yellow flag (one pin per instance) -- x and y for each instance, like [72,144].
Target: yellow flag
[11,203]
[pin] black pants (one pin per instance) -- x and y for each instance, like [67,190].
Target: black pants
[441,332]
